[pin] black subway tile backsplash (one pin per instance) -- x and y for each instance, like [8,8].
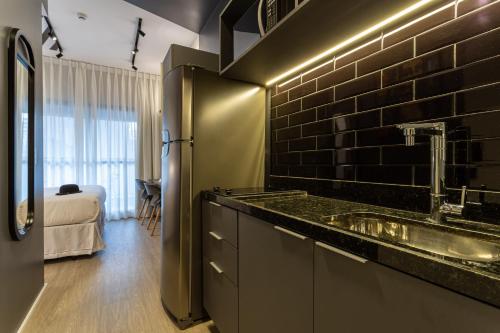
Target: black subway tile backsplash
[289,133]
[344,140]
[357,156]
[336,77]
[484,152]
[323,157]
[320,70]
[325,142]
[479,100]
[387,96]
[302,144]
[287,86]
[384,174]
[474,127]
[288,108]
[459,29]
[357,121]
[469,76]
[278,123]
[420,110]
[351,56]
[379,137]
[303,171]
[317,128]
[358,86]
[469,5]
[333,127]
[289,158]
[386,57]
[344,107]
[303,117]
[418,154]
[302,90]
[279,99]
[319,98]
[420,66]
[480,47]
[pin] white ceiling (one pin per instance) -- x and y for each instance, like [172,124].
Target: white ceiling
[107,36]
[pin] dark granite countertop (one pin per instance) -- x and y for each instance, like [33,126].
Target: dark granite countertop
[310,215]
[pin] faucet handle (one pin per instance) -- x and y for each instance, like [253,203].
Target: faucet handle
[463,197]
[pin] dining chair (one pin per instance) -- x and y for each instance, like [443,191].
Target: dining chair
[145,198]
[154,191]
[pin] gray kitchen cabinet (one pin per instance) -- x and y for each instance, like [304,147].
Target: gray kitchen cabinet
[275,278]
[352,294]
[220,265]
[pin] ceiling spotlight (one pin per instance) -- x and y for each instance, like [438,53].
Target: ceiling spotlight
[134,68]
[54,38]
[135,51]
[59,55]
[81,16]
[142,33]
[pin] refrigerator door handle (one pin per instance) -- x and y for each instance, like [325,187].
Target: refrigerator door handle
[166,151]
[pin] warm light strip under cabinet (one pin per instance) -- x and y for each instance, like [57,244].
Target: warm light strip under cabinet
[377,27]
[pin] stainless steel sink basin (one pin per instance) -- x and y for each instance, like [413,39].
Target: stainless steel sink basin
[418,235]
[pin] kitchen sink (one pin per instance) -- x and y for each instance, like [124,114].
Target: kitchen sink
[432,238]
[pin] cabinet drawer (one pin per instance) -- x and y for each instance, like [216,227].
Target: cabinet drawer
[223,254]
[221,221]
[220,299]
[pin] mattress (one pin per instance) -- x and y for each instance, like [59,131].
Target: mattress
[78,208]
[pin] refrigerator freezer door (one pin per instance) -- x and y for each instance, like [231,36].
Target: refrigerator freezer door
[178,94]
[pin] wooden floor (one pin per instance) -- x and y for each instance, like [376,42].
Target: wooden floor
[116,290]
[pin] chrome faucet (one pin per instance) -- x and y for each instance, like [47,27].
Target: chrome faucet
[437,133]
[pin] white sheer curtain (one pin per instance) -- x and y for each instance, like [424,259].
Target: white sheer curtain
[93,117]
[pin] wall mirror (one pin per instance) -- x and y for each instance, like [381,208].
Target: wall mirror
[21,76]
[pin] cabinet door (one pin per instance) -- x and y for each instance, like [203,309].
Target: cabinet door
[275,279]
[355,295]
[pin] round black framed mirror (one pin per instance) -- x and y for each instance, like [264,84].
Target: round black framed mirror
[21,86]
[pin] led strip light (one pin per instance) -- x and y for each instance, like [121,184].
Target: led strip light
[351,40]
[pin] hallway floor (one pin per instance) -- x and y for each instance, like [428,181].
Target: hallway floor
[116,290]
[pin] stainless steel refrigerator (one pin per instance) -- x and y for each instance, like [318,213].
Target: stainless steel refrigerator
[213,133]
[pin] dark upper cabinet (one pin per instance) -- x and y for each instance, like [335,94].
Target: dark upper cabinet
[297,31]
[275,279]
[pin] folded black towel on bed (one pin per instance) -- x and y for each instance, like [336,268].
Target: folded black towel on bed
[68,189]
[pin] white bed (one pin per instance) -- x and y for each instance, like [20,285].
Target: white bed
[74,223]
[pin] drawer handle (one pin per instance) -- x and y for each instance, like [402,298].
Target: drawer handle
[342,253]
[214,204]
[214,235]
[291,233]
[216,268]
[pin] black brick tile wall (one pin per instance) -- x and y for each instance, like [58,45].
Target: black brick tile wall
[336,122]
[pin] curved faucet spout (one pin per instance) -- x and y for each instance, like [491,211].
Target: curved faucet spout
[437,132]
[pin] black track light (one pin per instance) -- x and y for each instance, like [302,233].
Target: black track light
[59,55]
[134,68]
[142,33]
[135,51]
[54,38]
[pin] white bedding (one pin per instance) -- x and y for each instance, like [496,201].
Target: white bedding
[77,208]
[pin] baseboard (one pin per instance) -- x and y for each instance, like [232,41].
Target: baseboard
[28,315]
